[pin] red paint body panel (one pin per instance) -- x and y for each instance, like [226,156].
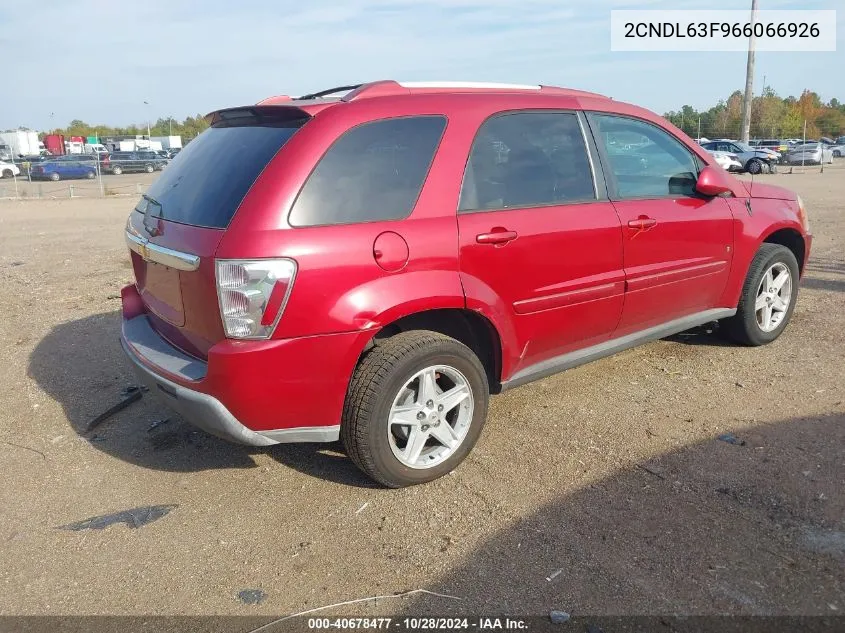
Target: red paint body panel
[767,217]
[558,297]
[572,276]
[692,239]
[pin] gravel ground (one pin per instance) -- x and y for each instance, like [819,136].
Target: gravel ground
[603,490]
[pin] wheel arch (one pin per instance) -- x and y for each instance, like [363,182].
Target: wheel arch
[793,240]
[472,329]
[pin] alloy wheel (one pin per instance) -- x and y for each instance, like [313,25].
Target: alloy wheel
[430,417]
[773,297]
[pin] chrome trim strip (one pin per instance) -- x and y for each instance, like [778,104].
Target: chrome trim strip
[161,254]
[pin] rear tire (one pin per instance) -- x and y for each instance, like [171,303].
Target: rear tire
[149,169]
[8,173]
[761,316]
[55,176]
[116,171]
[397,377]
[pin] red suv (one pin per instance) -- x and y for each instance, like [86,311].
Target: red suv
[370,263]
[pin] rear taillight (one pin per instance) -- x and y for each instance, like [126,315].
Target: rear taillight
[253,294]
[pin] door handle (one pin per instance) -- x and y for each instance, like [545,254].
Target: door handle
[642,223]
[497,235]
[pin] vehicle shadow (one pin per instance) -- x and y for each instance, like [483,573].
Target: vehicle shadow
[81,365]
[819,273]
[712,528]
[703,335]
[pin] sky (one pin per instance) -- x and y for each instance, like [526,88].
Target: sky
[100,60]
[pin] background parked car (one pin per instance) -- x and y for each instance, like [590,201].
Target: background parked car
[8,170]
[126,162]
[25,163]
[838,149]
[813,153]
[779,145]
[728,162]
[754,161]
[63,169]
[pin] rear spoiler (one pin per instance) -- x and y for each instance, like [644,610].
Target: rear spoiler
[258,114]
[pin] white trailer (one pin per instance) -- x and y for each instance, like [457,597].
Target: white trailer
[21,142]
[168,142]
[95,148]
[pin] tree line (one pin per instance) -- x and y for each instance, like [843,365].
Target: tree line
[771,117]
[188,128]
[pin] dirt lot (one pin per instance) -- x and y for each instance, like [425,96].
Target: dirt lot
[603,490]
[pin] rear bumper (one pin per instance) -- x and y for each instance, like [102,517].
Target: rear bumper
[152,357]
[249,392]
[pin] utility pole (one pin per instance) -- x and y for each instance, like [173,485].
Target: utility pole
[749,78]
[147,103]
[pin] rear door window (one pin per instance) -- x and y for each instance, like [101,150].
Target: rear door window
[527,159]
[208,181]
[373,172]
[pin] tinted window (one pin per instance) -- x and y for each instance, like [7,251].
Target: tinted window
[527,159]
[644,160]
[205,185]
[373,172]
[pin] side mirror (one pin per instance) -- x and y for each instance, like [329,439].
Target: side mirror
[713,181]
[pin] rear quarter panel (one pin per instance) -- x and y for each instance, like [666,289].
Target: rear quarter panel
[339,287]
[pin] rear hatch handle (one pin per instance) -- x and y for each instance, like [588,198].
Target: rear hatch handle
[161,254]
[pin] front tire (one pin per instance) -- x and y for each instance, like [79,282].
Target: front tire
[8,173]
[91,175]
[116,171]
[768,297]
[55,176]
[414,409]
[754,166]
[149,169]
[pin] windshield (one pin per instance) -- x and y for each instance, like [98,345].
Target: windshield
[205,184]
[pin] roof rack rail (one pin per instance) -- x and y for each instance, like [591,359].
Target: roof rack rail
[477,85]
[390,87]
[327,92]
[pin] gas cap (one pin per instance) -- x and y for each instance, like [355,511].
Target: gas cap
[390,251]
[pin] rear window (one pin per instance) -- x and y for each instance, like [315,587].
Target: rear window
[373,172]
[206,183]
